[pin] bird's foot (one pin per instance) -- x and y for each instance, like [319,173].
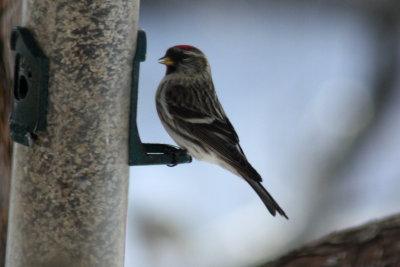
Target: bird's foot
[173,164]
[175,155]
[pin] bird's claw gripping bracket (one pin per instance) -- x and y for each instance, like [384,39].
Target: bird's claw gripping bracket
[142,153]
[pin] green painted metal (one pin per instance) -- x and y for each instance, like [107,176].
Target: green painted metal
[29,104]
[144,153]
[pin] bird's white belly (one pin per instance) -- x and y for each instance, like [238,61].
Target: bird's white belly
[198,153]
[195,151]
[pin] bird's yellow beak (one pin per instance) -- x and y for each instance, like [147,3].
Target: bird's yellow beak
[166,61]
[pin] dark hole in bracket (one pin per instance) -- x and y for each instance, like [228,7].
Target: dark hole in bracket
[21,90]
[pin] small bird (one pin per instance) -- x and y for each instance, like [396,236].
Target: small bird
[190,111]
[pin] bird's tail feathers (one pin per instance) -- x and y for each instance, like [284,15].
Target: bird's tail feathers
[254,180]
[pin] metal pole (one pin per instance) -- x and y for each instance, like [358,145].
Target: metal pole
[69,192]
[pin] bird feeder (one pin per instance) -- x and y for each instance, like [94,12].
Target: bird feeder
[145,153]
[30,99]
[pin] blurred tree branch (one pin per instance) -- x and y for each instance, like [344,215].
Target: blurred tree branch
[384,27]
[373,244]
[9,16]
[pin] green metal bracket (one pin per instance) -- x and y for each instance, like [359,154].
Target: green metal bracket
[142,153]
[28,114]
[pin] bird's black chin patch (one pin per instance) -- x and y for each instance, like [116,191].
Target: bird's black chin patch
[170,69]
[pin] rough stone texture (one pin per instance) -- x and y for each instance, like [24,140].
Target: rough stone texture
[373,244]
[69,193]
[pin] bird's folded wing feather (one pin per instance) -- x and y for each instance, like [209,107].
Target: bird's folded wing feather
[212,131]
[194,105]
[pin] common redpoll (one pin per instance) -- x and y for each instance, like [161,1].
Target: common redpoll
[190,111]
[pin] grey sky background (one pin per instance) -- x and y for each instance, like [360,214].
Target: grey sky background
[295,81]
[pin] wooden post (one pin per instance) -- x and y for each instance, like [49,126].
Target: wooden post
[69,192]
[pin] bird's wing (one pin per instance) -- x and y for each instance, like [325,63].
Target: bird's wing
[198,108]
[206,122]
[195,120]
[203,121]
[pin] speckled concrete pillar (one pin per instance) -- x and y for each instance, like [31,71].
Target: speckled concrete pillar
[69,193]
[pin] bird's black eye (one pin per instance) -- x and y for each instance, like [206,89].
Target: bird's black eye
[184,57]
